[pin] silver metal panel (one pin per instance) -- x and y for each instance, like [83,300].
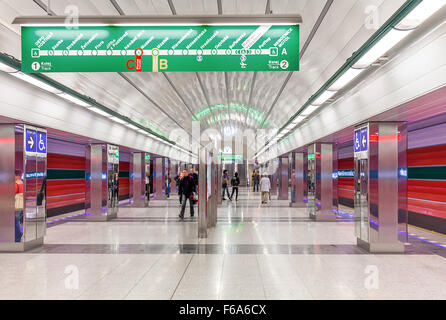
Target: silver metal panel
[325,183]
[202,195]
[8,157]
[381,189]
[138,182]
[299,179]
[159,179]
[166,20]
[41,188]
[388,183]
[273,178]
[30,198]
[96,180]
[283,178]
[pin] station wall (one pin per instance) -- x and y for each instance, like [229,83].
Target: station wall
[426,186]
[66,177]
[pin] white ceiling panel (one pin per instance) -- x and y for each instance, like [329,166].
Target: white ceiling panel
[195,6]
[144,7]
[84,7]
[243,6]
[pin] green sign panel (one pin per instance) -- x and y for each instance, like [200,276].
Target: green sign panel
[160,48]
[231,157]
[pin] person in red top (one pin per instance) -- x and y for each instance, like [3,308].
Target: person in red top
[18,190]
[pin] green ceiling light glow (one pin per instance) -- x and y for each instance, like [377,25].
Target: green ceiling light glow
[222,112]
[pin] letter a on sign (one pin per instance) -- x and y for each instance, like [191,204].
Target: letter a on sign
[284,51]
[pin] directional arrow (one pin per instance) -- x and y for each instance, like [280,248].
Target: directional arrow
[31,142]
[364,142]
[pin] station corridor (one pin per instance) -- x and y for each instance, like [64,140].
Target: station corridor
[255,252]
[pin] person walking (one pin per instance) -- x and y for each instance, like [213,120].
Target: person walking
[265,187]
[179,178]
[18,205]
[256,180]
[224,185]
[235,182]
[187,187]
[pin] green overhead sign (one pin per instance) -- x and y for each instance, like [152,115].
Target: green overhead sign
[231,157]
[160,48]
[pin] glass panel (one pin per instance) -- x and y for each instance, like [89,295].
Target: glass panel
[30,217]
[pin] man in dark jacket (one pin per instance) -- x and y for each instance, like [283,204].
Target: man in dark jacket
[186,188]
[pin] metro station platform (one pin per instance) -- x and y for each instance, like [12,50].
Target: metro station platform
[255,252]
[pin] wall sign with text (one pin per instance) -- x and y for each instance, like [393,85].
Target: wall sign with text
[160,48]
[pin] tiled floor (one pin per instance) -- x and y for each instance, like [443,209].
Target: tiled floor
[255,252]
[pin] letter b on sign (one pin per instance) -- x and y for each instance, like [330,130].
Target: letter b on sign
[163,64]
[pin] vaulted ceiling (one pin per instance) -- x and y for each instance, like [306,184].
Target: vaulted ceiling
[331,31]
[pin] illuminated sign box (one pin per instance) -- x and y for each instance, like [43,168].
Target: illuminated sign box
[160,48]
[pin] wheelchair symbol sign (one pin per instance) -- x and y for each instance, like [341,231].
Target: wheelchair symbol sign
[41,143]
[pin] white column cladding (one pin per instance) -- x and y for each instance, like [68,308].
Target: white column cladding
[299,179]
[381,187]
[137,179]
[325,182]
[283,177]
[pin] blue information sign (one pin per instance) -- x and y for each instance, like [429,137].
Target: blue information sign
[41,142]
[30,141]
[361,140]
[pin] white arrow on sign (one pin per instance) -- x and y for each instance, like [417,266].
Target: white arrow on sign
[364,141]
[31,142]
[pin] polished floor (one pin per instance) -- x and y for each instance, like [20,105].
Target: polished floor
[255,252]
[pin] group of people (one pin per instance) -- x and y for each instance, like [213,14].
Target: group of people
[235,182]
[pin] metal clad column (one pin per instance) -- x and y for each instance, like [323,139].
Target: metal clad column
[202,195]
[273,177]
[283,178]
[299,180]
[326,204]
[381,186]
[138,181]
[159,179]
[96,182]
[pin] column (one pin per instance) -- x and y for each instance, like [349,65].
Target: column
[283,177]
[273,177]
[22,157]
[137,180]
[381,186]
[299,179]
[159,179]
[325,182]
[202,194]
[101,182]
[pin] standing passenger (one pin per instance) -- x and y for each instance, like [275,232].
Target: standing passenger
[235,182]
[18,186]
[187,189]
[224,185]
[265,187]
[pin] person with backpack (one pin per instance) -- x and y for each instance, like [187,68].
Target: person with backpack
[18,204]
[224,185]
[235,182]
